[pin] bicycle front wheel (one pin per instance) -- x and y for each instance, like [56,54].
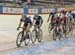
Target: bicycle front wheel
[40,34]
[18,40]
[49,27]
[60,35]
[54,35]
[27,38]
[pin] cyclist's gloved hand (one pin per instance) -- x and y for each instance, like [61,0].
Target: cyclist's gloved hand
[18,28]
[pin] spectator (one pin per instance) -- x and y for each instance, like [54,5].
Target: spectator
[27,2]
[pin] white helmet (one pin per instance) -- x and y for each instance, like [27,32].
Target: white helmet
[54,10]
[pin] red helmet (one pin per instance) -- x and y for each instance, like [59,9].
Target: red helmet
[63,11]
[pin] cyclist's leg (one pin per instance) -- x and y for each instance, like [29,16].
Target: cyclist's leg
[39,27]
[74,19]
[52,26]
[28,27]
[61,29]
[38,24]
[36,27]
[70,25]
[64,26]
[22,34]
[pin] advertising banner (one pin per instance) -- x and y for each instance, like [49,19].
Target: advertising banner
[1,9]
[32,11]
[12,10]
[46,10]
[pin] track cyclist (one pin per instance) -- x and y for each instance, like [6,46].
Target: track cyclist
[64,22]
[70,19]
[27,24]
[51,18]
[37,21]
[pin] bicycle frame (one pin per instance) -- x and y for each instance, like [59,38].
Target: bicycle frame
[36,29]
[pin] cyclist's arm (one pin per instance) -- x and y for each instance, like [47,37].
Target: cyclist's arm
[20,24]
[49,18]
[31,22]
[41,21]
[67,20]
[34,20]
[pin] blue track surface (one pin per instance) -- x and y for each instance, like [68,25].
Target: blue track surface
[46,47]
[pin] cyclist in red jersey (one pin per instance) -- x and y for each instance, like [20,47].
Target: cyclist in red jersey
[64,19]
[57,20]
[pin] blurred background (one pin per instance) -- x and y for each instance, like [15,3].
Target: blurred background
[36,3]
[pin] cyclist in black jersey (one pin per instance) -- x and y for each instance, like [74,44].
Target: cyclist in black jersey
[37,20]
[52,14]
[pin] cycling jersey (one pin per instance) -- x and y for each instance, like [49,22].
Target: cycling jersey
[38,19]
[73,14]
[57,20]
[26,21]
[63,18]
[69,15]
[53,14]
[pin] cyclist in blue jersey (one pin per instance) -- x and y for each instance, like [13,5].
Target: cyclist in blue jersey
[70,16]
[70,19]
[73,14]
[27,23]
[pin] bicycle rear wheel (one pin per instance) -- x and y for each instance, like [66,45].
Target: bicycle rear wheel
[18,40]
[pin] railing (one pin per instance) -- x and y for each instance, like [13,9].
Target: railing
[38,3]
